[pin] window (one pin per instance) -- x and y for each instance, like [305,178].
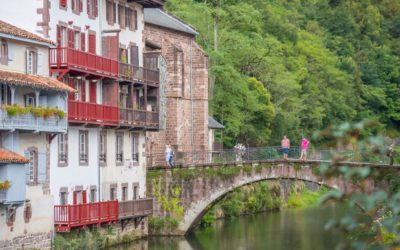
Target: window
[30,100]
[62,149]
[80,87]
[135,55]
[135,147]
[119,148]
[124,193]
[130,18]
[5,94]
[92,8]
[110,12]
[27,212]
[63,4]
[63,198]
[78,197]
[113,192]
[83,147]
[135,191]
[92,194]
[10,215]
[121,16]
[77,40]
[62,36]
[76,6]
[103,147]
[32,165]
[4,52]
[31,61]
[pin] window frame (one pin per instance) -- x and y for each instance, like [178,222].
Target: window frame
[31,56]
[135,148]
[62,156]
[33,165]
[119,148]
[103,135]
[83,158]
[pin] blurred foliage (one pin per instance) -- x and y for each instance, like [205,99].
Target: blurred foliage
[293,67]
[372,218]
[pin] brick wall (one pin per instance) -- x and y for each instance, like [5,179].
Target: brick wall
[187,109]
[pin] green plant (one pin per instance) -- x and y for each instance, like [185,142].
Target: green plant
[5,185]
[13,110]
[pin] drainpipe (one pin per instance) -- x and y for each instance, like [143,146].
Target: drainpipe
[100,11]
[191,100]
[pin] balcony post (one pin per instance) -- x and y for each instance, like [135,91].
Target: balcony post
[12,94]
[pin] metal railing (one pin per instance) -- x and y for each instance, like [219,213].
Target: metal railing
[135,208]
[264,153]
[137,73]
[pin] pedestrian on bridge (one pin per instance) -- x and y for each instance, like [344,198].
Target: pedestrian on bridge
[285,144]
[304,148]
[169,154]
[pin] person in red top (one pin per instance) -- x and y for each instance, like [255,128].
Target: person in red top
[304,147]
[285,144]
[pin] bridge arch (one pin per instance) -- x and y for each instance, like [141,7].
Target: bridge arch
[198,206]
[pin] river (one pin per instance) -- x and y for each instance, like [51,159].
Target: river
[300,229]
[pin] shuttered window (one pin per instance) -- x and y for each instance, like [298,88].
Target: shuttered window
[77,6]
[31,61]
[63,3]
[92,43]
[83,41]
[62,150]
[83,147]
[111,12]
[92,8]
[121,16]
[119,148]
[135,55]
[4,52]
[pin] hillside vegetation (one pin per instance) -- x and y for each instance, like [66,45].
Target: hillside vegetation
[295,66]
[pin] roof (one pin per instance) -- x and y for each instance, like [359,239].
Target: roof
[161,18]
[34,81]
[213,124]
[14,31]
[7,156]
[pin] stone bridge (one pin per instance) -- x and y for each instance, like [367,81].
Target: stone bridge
[187,193]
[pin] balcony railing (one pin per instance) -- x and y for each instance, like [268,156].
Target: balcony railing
[30,122]
[140,74]
[138,117]
[85,61]
[87,112]
[135,208]
[69,216]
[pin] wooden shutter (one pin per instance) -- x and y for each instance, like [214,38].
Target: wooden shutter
[63,3]
[74,197]
[83,88]
[92,92]
[84,197]
[70,38]
[135,55]
[134,19]
[58,36]
[83,41]
[71,95]
[73,4]
[92,43]
[88,3]
[81,5]
[27,167]
[95,6]
[114,12]
[41,167]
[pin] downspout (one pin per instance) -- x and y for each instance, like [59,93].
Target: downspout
[191,99]
[100,11]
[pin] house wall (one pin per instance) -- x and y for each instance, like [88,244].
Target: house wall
[73,174]
[126,173]
[15,173]
[17,57]
[186,110]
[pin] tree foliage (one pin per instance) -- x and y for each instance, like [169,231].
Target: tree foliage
[321,62]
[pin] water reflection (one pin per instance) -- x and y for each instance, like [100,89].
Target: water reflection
[287,229]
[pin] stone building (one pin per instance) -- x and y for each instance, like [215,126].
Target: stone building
[183,89]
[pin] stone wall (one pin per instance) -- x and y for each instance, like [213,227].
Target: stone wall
[36,241]
[186,93]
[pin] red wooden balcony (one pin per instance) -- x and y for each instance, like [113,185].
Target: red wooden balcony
[86,112]
[69,58]
[140,118]
[81,215]
[135,208]
[138,74]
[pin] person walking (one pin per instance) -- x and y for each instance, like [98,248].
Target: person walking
[285,144]
[304,148]
[168,155]
[390,153]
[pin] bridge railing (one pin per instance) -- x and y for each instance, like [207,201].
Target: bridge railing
[268,153]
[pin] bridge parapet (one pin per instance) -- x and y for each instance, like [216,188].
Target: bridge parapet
[186,193]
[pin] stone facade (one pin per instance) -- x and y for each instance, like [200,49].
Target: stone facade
[28,241]
[186,94]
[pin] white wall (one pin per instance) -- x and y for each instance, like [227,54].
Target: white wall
[111,173]
[73,174]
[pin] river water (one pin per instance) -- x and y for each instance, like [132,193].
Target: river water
[300,229]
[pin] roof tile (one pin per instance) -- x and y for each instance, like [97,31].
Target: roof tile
[9,29]
[33,81]
[7,156]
